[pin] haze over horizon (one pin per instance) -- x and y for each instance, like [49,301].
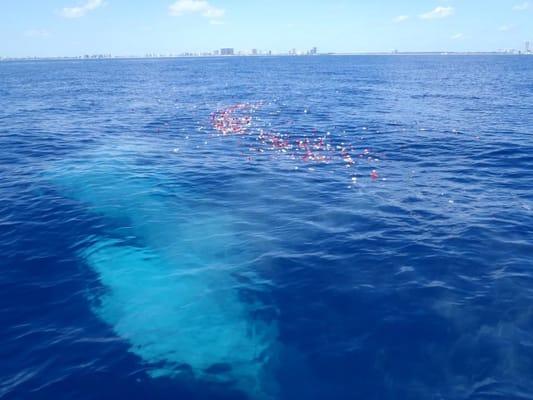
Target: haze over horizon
[121,27]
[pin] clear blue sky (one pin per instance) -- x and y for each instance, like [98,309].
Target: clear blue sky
[136,27]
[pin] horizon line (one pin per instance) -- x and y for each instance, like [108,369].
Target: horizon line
[285,54]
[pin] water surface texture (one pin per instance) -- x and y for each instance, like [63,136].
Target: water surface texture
[267,228]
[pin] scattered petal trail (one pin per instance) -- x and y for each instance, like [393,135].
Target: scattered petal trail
[238,119]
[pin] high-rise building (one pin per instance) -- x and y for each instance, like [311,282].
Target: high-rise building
[314,51]
[227,52]
[528,48]
[254,52]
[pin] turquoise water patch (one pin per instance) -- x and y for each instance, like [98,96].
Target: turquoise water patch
[176,318]
[170,269]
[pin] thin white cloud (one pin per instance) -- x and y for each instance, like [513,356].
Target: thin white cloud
[457,36]
[37,33]
[506,28]
[522,6]
[401,18]
[82,9]
[439,12]
[202,7]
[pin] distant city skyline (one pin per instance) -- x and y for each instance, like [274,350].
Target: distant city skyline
[134,27]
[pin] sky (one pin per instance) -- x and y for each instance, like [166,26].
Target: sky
[137,27]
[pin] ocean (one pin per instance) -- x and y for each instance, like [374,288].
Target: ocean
[356,227]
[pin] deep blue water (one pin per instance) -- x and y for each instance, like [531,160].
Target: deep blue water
[144,254]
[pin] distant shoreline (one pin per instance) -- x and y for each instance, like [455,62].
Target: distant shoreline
[99,57]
